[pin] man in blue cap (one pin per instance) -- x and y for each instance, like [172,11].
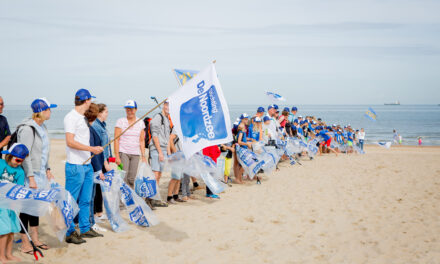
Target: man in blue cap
[79,171]
[5,133]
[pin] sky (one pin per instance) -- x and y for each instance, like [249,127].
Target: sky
[310,51]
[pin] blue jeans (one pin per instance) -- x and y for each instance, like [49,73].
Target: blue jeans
[92,205]
[79,182]
[361,144]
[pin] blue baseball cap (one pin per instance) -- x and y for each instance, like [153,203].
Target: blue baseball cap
[131,104]
[295,121]
[294,108]
[270,107]
[17,150]
[266,118]
[318,128]
[244,115]
[260,109]
[276,106]
[286,109]
[41,104]
[83,94]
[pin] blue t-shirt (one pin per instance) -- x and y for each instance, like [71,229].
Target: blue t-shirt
[243,138]
[10,174]
[323,134]
[350,136]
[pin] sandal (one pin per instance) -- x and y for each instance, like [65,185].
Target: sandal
[43,246]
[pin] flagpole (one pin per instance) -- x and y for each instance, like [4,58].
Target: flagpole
[130,126]
[177,78]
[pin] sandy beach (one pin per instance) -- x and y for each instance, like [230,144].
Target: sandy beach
[381,207]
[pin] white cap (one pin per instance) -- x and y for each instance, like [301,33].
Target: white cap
[130,104]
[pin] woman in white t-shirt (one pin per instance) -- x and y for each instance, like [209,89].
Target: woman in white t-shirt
[130,147]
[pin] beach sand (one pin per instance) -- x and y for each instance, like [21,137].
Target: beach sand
[381,207]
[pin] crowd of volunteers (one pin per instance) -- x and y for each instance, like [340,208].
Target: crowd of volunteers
[152,141]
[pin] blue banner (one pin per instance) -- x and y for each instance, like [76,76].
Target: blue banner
[371,114]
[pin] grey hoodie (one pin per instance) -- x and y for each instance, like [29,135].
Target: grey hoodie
[32,163]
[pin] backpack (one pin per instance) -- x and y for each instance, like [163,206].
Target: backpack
[148,136]
[14,136]
[147,131]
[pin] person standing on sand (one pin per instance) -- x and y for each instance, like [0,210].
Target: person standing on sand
[99,164]
[33,134]
[159,148]
[395,137]
[420,141]
[130,146]
[361,137]
[5,133]
[100,127]
[79,176]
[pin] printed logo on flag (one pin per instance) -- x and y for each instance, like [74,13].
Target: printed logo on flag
[202,116]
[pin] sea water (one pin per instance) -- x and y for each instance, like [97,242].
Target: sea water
[410,121]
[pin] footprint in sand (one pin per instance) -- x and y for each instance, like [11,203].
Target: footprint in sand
[250,219]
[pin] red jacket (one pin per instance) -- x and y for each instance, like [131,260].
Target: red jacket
[213,152]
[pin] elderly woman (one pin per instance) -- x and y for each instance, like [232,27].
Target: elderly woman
[33,134]
[130,147]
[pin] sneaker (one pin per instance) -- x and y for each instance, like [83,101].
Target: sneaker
[74,238]
[97,228]
[91,233]
[171,201]
[102,217]
[158,203]
[215,196]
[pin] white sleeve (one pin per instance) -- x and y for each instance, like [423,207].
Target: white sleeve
[69,124]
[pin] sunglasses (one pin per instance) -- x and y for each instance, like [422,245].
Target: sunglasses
[18,160]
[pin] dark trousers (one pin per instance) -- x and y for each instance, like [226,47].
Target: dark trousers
[98,199]
[208,191]
[28,220]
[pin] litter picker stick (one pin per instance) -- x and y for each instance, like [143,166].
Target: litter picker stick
[125,130]
[34,248]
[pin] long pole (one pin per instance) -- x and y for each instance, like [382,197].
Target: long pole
[130,126]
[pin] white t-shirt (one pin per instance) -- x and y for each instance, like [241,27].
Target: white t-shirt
[361,135]
[76,124]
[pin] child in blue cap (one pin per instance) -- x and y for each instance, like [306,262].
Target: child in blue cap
[12,172]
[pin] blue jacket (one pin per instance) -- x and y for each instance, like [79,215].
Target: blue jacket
[100,128]
[97,160]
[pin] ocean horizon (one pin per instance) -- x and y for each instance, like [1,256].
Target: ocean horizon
[410,121]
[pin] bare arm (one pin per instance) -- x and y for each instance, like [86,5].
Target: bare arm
[118,131]
[142,145]
[5,141]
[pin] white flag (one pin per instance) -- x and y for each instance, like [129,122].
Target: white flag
[200,114]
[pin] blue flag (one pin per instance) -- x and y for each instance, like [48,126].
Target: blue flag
[371,114]
[184,75]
